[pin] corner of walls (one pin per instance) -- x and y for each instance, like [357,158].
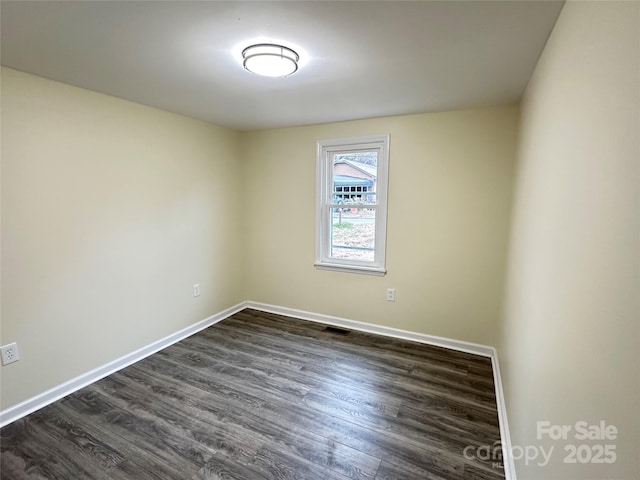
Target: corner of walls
[450,188]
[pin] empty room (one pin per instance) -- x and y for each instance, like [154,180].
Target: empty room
[320,240]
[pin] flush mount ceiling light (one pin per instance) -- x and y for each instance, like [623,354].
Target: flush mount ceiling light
[270,60]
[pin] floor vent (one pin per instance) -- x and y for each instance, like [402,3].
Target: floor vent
[337,331]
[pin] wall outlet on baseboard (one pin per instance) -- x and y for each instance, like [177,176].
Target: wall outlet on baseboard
[196,290]
[391,294]
[9,353]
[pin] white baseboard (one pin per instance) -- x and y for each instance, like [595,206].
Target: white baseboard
[459,345]
[22,409]
[475,348]
[507,457]
[35,403]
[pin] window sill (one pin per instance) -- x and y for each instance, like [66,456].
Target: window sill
[380,272]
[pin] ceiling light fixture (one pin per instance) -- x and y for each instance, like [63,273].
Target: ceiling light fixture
[270,60]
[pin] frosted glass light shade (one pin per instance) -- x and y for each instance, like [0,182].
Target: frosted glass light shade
[270,60]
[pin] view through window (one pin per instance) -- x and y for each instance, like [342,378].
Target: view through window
[353,218]
[352,186]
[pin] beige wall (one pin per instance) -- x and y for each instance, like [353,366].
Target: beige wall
[110,212]
[570,345]
[450,186]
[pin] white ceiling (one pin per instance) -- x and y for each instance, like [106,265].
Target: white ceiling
[359,59]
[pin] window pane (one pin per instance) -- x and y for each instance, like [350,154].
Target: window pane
[353,233]
[352,204]
[355,173]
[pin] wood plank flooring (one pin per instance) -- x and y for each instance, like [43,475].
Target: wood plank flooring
[261,396]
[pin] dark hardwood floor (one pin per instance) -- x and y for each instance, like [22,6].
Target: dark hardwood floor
[261,396]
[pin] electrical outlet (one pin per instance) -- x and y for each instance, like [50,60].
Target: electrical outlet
[9,353]
[391,294]
[196,290]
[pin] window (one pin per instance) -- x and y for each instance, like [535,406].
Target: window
[352,204]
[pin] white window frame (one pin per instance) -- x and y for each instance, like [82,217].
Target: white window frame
[324,196]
